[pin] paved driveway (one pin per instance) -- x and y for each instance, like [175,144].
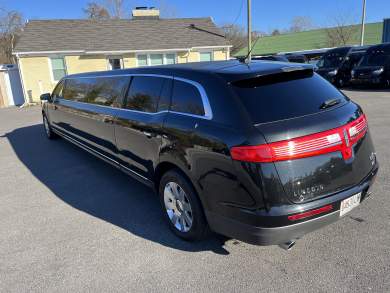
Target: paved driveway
[69,222]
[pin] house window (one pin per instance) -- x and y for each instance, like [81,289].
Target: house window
[206,56]
[114,63]
[170,59]
[155,59]
[58,67]
[142,60]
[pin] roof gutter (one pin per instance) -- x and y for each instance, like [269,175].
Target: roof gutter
[117,52]
[40,53]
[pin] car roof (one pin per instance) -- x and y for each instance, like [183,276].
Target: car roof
[384,46]
[230,70]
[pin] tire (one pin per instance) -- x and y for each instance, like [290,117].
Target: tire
[48,131]
[182,211]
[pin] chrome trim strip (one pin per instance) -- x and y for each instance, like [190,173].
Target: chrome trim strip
[126,74]
[127,169]
[205,100]
[91,150]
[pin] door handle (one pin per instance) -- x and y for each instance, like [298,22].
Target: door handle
[108,119]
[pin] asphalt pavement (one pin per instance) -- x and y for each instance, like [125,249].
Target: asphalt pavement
[72,223]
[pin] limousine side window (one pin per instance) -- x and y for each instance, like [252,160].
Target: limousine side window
[105,91]
[186,99]
[144,93]
[74,90]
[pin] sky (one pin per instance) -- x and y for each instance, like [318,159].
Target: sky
[267,15]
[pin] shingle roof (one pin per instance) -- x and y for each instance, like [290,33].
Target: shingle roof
[119,34]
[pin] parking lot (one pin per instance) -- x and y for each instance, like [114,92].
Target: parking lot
[70,222]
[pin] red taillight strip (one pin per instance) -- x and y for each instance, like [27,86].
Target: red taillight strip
[306,146]
[311,213]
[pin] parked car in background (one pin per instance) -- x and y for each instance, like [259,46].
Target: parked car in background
[280,58]
[336,64]
[296,58]
[374,67]
[263,152]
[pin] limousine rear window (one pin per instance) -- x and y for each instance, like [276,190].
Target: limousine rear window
[144,93]
[105,91]
[285,99]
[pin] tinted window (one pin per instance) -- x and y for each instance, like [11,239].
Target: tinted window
[165,96]
[283,97]
[74,90]
[144,93]
[186,99]
[105,91]
[57,93]
[333,58]
[378,57]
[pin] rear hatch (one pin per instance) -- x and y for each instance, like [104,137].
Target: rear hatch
[317,138]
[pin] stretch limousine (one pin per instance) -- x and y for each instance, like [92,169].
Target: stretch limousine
[263,152]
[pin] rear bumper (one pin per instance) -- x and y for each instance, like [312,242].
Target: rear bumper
[269,235]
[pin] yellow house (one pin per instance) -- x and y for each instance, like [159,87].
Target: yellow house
[51,49]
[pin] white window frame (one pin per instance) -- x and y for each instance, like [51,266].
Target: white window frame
[114,57]
[148,63]
[206,51]
[51,67]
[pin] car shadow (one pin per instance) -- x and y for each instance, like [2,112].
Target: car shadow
[99,189]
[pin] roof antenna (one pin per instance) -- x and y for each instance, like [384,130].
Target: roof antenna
[248,57]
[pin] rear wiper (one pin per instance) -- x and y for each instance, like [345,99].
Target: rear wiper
[330,103]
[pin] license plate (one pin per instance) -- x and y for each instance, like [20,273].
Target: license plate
[350,203]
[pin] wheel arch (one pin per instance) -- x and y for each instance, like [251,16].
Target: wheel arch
[164,167]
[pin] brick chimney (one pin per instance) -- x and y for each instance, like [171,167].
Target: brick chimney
[143,12]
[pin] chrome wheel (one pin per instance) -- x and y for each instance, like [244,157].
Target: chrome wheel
[178,207]
[46,124]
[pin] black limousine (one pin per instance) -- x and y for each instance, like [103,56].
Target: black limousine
[262,152]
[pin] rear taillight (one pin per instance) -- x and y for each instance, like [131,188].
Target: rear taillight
[338,139]
[311,213]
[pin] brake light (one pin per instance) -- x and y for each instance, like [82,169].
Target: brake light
[338,139]
[311,213]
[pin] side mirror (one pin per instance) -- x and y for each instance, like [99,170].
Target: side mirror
[46,97]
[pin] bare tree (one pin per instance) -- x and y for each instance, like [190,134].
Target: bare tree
[341,33]
[96,11]
[236,36]
[106,9]
[116,8]
[11,23]
[301,23]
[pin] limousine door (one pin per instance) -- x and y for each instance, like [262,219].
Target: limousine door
[55,116]
[139,125]
[88,111]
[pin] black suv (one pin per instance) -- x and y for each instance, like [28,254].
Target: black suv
[336,64]
[263,152]
[374,67]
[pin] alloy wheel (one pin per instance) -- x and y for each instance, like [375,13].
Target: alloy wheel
[178,207]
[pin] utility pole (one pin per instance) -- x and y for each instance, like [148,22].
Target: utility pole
[249,32]
[363,20]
